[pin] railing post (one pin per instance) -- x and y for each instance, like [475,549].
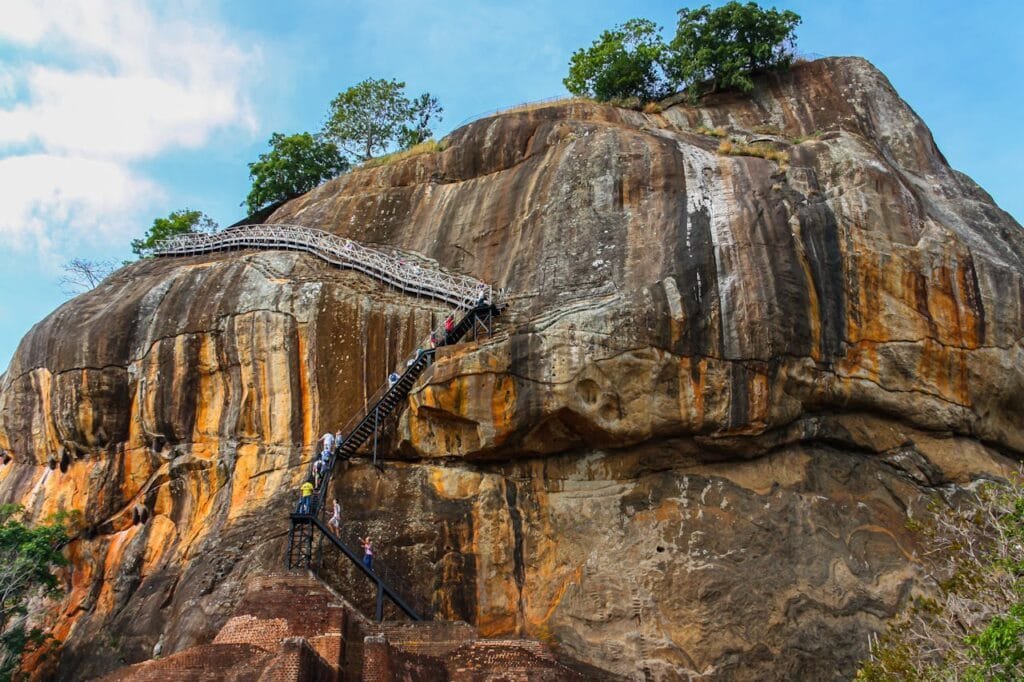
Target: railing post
[380,601]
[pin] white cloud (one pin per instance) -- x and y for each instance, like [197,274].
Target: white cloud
[56,199]
[96,86]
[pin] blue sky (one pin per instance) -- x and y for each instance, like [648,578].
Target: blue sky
[112,114]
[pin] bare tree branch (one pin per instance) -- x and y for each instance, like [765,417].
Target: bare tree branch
[81,274]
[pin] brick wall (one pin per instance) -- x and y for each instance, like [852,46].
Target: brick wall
[297,661]
[302,601]
[434,638]
[210,661]
[376,664]
[291,628]
[265,633]
[385,663]
[507,660]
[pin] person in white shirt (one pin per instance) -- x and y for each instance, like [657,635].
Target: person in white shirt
[335,520]
[328,441]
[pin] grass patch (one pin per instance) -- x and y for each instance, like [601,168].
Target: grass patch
[766,130]
[652,108]
[733,148]
[544,104]
[431,146]
[712,132]
[633,103]
[804,138]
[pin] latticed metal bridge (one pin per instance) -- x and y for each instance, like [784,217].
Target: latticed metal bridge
[461,291]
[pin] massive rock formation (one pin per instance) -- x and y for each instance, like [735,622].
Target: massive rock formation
[720,389]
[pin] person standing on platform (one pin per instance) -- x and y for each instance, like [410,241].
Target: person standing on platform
[306,501]
[368,552]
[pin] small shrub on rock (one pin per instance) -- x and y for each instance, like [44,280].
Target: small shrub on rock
[972,627]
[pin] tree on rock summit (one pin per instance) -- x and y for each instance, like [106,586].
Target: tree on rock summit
[724,46]
[374,116]
[716,49]
[622,63]
[294,165]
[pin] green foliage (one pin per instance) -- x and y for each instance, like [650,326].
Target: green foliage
[294,165]
[623,63]
[422,109]
[177,222]
[721,47]
[973,627]
[28,557]
[999,648]
[374,115]
[727,44]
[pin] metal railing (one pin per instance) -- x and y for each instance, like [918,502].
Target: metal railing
[403,274]
[353,540]
[566,98]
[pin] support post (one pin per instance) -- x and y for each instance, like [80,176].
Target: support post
[291,544]
[380,601]
[376,422]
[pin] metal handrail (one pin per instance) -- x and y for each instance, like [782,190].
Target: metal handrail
[459,290]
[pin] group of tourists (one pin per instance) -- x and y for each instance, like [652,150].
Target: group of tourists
[330,445]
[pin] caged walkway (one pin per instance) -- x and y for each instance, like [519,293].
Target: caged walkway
[459,290]
[476,305]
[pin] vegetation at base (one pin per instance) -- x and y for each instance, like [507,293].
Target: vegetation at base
[29,555]
[374,116]
[713,49]
[972,627]
[185,221]
[294,165]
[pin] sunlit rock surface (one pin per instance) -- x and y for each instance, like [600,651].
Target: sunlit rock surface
[692,445]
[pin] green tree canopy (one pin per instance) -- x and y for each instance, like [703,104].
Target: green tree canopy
[184,221]
[294,165]
[727,44]
[722,47]
[28,557]
[373,116]
[624,62]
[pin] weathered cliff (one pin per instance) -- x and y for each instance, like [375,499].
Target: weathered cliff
[721,387]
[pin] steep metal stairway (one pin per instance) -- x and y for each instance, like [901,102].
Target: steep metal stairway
[303,521]
[387,584]
[477,303]
[393,396]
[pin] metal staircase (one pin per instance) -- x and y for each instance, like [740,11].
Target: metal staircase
[358,432]
[476,306]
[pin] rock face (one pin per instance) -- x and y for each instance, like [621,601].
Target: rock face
[691,447]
